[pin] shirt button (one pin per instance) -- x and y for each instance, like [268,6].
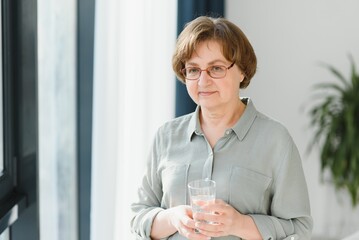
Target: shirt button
[228,132]
[292,238]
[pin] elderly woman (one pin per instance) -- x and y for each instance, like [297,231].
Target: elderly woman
[261,188]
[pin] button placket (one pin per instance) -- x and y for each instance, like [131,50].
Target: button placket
[208,166]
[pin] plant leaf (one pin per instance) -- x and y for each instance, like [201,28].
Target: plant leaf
[335,119]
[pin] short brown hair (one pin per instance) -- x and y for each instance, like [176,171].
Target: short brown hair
[236,47]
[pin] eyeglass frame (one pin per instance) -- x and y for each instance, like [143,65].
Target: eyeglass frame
[183,70]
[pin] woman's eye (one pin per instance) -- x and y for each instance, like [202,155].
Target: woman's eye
[192,70]
[216,69]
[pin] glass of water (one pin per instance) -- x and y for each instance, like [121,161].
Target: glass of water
[201,192]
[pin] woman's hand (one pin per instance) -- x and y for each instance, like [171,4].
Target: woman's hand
[180,220]
[221,219]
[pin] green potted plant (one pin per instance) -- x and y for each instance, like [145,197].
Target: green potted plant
[335,119]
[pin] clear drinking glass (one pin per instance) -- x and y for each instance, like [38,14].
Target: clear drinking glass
[201,192]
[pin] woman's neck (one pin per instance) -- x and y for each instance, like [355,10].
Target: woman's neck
[223,117]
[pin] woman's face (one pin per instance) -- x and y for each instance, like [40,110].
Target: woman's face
[208,92]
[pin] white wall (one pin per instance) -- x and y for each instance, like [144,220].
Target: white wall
[291,38]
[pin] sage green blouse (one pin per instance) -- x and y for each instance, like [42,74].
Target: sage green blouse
[256,166]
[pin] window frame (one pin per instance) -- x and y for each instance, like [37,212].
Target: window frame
[1,101]
[8,176]
[12,203]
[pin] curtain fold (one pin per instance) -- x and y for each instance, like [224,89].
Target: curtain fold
[188,10]
[133,95]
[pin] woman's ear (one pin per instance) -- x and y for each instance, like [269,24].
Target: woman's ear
[242,77]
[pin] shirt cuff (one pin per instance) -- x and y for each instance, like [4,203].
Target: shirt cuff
[268,228]
[148,220]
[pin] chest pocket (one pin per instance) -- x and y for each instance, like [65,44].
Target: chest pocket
[174,182]
[249,191]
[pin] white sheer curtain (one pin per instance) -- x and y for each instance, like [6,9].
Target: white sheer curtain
[56,90]
[133,96]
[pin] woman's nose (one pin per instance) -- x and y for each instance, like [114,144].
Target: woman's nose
[204,79]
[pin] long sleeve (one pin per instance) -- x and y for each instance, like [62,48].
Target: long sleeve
[148,203]
[290,209]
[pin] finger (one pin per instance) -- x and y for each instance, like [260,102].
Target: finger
[188,222]
[212,234]
[189,231]
[218,207]
[209,217]
[209,226]
[212,230]
[194,234]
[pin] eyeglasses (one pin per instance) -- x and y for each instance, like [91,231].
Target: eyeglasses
[215,71]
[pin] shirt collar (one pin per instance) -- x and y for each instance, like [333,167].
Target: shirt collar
[194,127]
[241,128]
[245,122]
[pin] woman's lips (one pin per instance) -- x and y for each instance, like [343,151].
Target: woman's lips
[205,93]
